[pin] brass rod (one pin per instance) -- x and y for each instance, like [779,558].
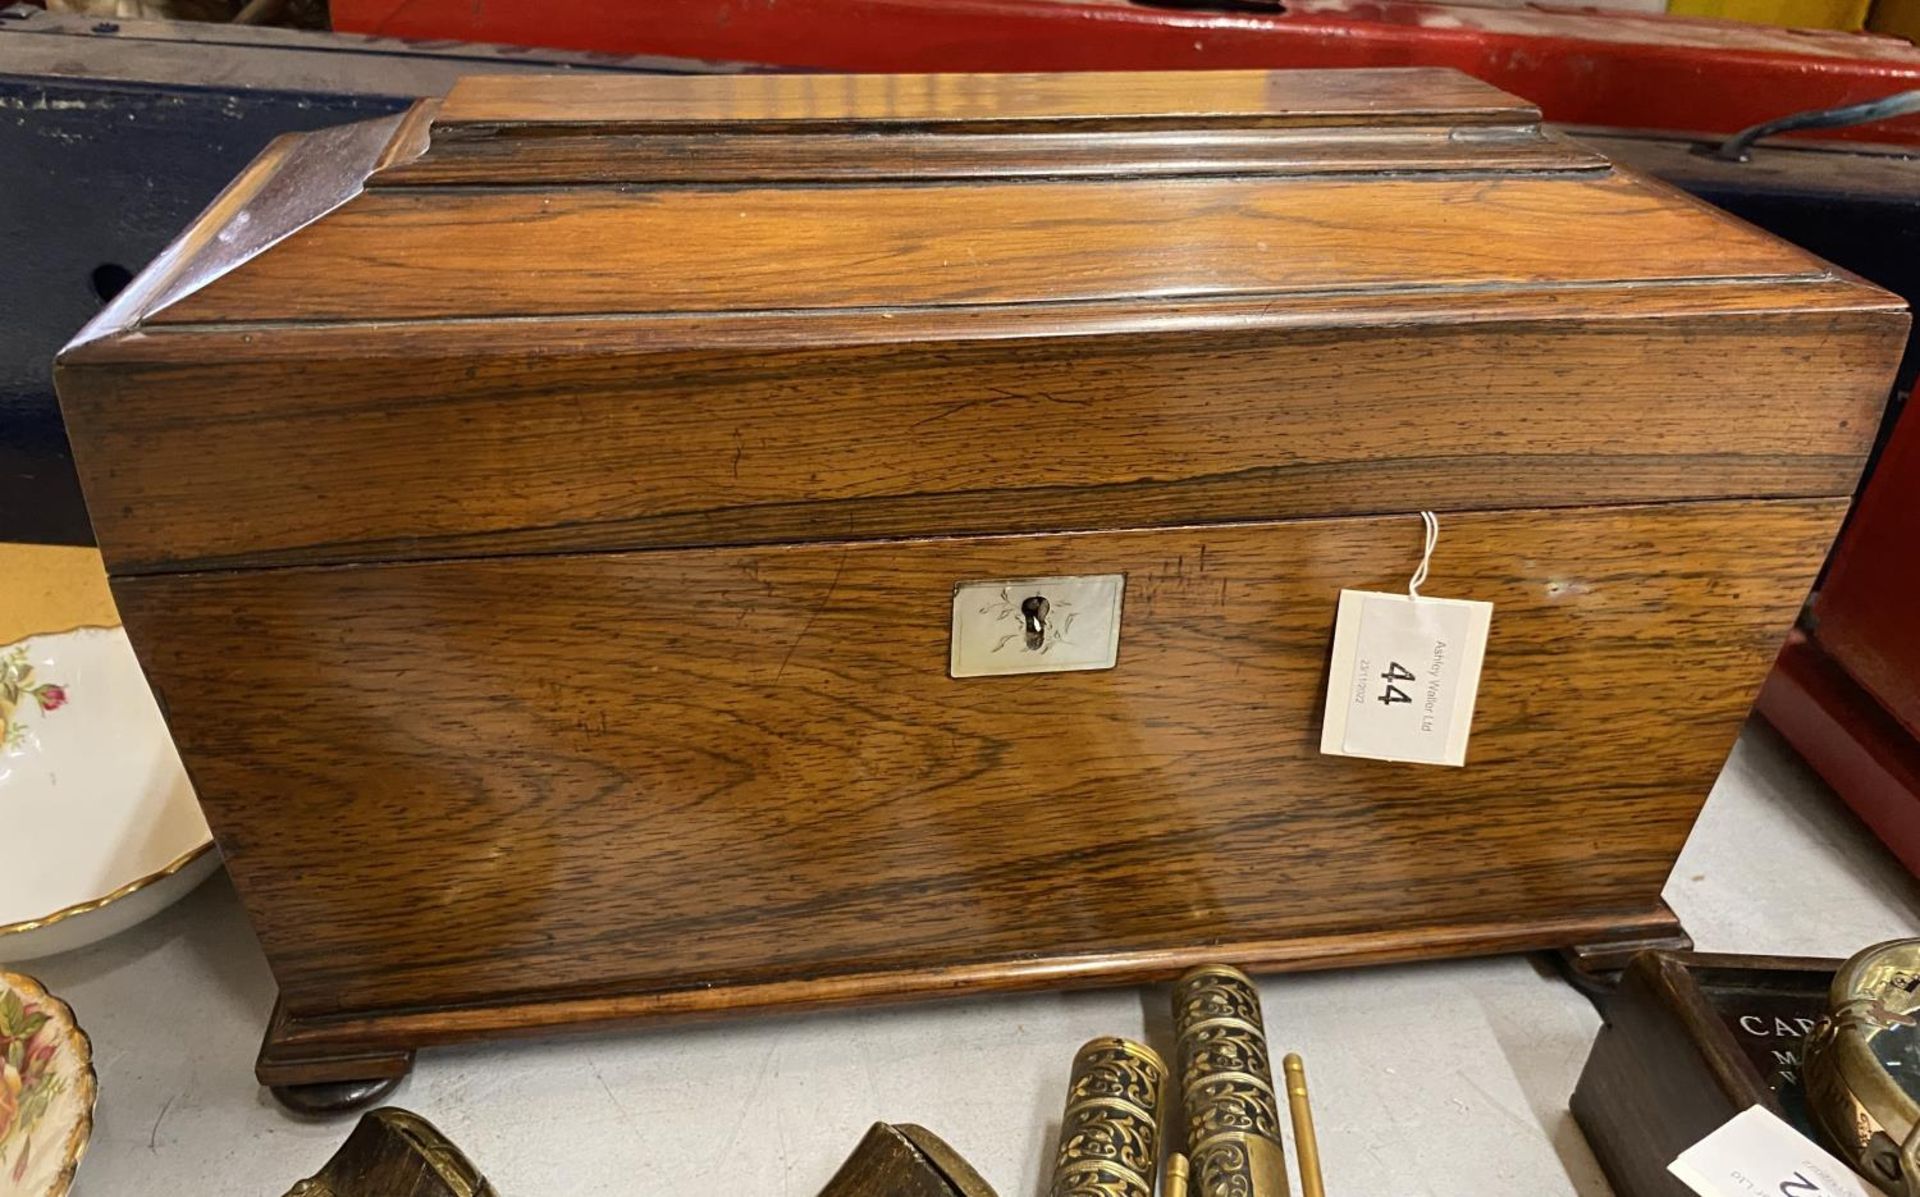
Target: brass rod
[1176,1185]
[1305,1145]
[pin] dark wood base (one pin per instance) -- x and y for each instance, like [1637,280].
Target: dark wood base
[326,1081]
[1672,1062]
[314,1064]
[1852,742]
[1595,967]
[332,1097]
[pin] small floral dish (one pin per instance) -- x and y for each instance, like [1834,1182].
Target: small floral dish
[104,827]
[46,1090]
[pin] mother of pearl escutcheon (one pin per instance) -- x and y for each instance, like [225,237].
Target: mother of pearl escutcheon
[1036,625]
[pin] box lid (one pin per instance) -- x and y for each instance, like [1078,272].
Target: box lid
[660,224]
[609,195]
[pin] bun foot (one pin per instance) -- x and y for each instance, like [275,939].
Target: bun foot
[319,1098]
[316,1079]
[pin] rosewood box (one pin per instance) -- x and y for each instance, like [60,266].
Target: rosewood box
[542,514]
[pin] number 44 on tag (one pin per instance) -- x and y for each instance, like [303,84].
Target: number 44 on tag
[1405,674]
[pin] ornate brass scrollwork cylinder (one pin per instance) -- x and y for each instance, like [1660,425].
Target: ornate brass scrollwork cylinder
[1226,1086]
[1110,1133]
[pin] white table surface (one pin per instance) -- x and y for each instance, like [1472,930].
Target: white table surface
[1444,1079]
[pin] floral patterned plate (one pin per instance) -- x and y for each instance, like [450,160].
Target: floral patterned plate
[102,826]
[46,1090]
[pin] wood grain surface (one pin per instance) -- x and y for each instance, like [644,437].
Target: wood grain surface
[517,440]
[772,127]
[1185,99]
[839,156]
[380,1043]
[297,179]
[398,253]
[469,782]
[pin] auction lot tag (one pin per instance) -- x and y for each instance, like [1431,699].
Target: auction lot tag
[1755,1154]
[1404,677]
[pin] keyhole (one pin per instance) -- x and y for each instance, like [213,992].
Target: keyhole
[1034,613]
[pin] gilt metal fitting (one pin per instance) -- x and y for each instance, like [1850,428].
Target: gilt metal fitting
[1226,1085]
[1110,1133]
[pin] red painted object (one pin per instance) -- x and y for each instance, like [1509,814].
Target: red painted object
[1580,65]
[1868,608]
[1851,741]
[1848,695]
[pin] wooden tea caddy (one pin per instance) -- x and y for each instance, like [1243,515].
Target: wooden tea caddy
[540,515]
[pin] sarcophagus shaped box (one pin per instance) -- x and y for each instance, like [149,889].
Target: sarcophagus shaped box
[542,514]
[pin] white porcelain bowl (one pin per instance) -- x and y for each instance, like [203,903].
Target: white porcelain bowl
[103,826]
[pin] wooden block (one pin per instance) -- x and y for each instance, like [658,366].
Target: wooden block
[1690,1040]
